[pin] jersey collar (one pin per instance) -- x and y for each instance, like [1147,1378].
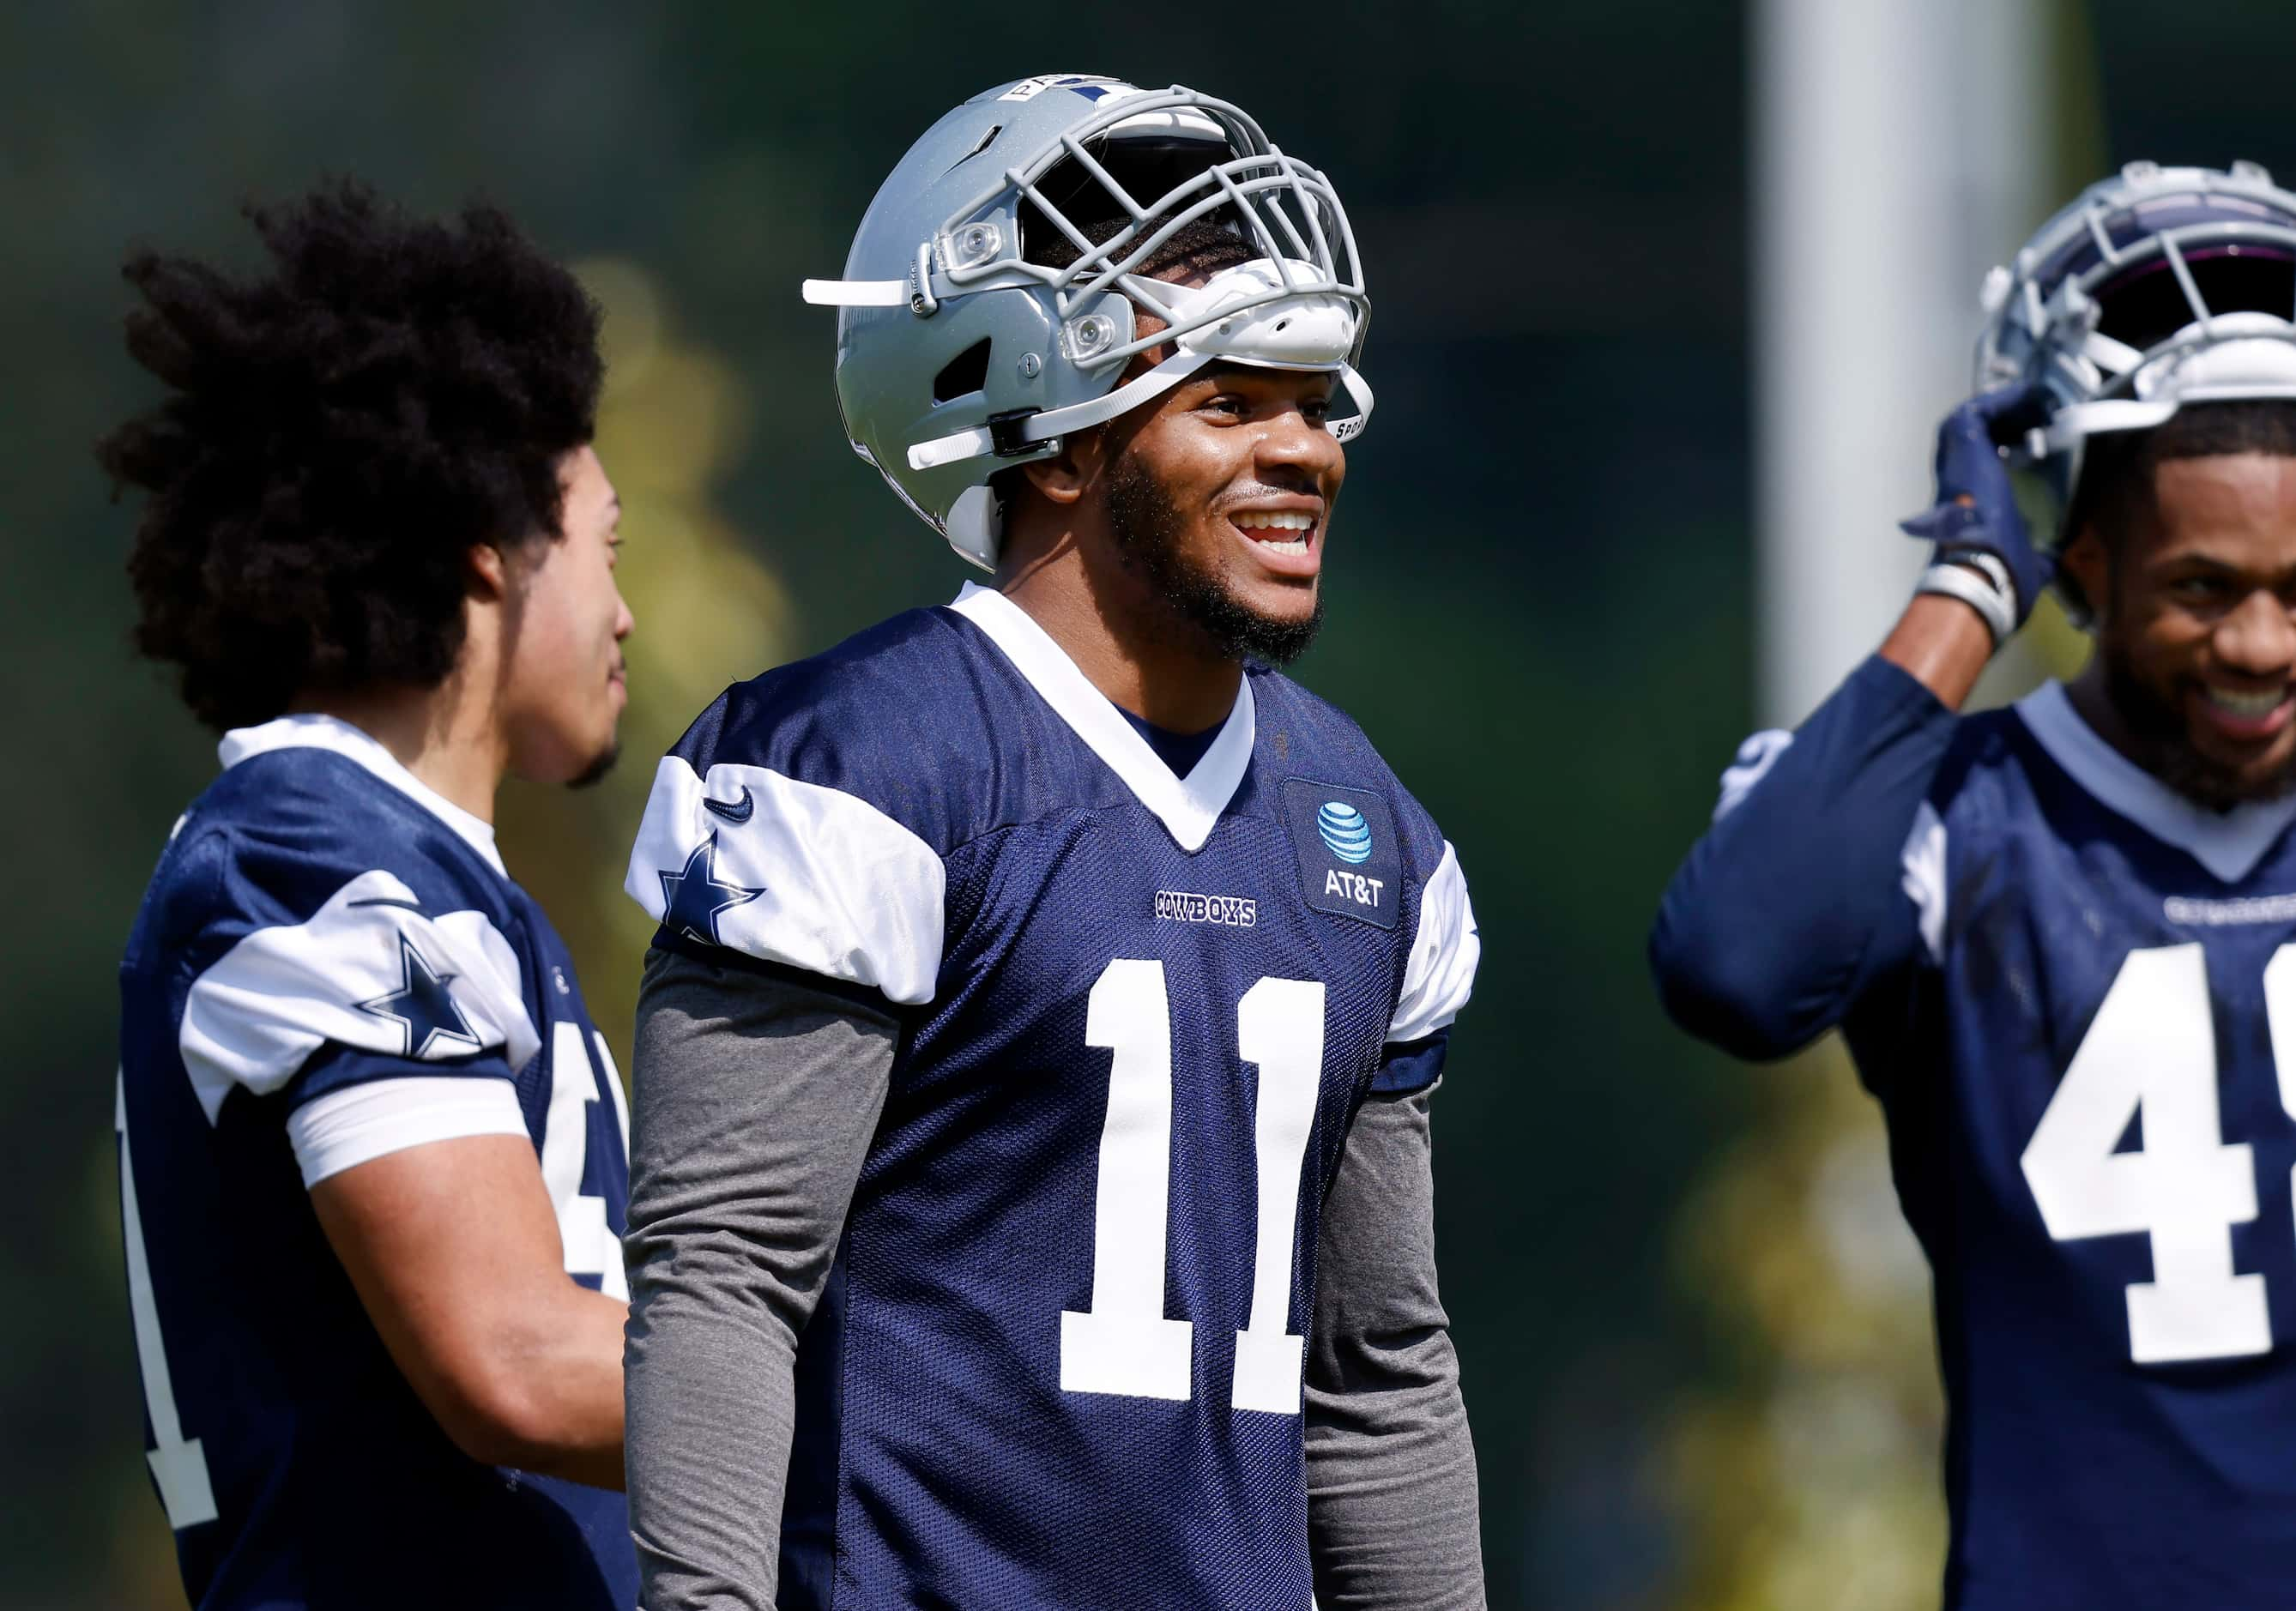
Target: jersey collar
[1188,807]
[313,731]
[2229,842]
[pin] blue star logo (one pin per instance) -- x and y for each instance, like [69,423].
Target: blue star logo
[692,897]
[422,1005]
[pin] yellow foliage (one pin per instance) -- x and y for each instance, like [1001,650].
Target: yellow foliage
[1819,1484]
[709,612]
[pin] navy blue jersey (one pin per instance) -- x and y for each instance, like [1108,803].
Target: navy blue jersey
[330,965]
[2076,1003]
[1058,1361]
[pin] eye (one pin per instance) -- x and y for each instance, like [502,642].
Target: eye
[1316,410]
[1225,404]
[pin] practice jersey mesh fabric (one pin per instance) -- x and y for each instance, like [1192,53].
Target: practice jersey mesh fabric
[1140,1012]
[2121,1399]
[2074,993]
[314,934]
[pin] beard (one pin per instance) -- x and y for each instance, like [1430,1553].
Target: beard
[596,772]
[1147,527]
[2158,731]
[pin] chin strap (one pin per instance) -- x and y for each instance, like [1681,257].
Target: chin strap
[1020,434]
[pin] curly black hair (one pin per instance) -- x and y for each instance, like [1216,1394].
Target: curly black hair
[339,432]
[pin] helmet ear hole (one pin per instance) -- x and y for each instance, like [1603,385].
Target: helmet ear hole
[968,372]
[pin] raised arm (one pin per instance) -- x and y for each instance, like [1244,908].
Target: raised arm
[1794,903]
[755,1095]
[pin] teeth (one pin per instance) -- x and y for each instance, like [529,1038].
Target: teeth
[1295,545]
[1286,520]
[2246,703]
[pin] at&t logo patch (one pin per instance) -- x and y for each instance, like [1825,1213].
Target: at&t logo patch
[1350,864]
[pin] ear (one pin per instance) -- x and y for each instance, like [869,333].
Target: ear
[1063,479]
[487,573]
[2084,558]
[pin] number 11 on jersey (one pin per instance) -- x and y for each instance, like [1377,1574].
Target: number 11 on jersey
[1124,1344]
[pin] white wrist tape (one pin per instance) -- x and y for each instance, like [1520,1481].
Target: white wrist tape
[1992,568]
[1986,589]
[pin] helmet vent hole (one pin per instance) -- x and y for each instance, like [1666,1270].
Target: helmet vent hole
[1281,324]
[968,372]
[982,144]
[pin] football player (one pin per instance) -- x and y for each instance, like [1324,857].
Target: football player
[371,1150]
[1031,1198]
[2061,937]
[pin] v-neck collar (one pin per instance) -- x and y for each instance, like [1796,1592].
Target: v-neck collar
[312,731]
[2229,842]
[1189,806]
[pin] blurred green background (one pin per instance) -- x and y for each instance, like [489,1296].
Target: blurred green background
[1696,1357]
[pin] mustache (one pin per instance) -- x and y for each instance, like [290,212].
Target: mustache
[2156,722]
[1305,487]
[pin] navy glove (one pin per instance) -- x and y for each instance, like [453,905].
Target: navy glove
[1976,510]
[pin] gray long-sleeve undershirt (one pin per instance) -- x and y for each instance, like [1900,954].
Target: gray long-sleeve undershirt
[755,1099]
[1391,1511]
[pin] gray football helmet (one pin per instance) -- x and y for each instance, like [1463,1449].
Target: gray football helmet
[2155,288]
[961,352]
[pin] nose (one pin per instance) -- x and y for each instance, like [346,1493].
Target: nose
[1291,441]
[624,622]
[2257,638]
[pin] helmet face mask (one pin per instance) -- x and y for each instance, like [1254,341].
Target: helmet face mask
[977,265]
[2154,289]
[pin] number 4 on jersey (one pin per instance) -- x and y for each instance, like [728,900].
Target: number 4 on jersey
[1124,1344]
[2151,1051]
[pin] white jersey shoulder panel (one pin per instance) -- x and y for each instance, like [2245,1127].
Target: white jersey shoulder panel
[282,992]
[1441,974]
[807,876]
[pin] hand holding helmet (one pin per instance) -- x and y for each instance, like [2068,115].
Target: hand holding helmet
[2155,288]
[1976,515]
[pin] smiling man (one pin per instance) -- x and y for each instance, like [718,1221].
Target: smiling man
[2191,567]
[1031,1202]
[2061,938]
